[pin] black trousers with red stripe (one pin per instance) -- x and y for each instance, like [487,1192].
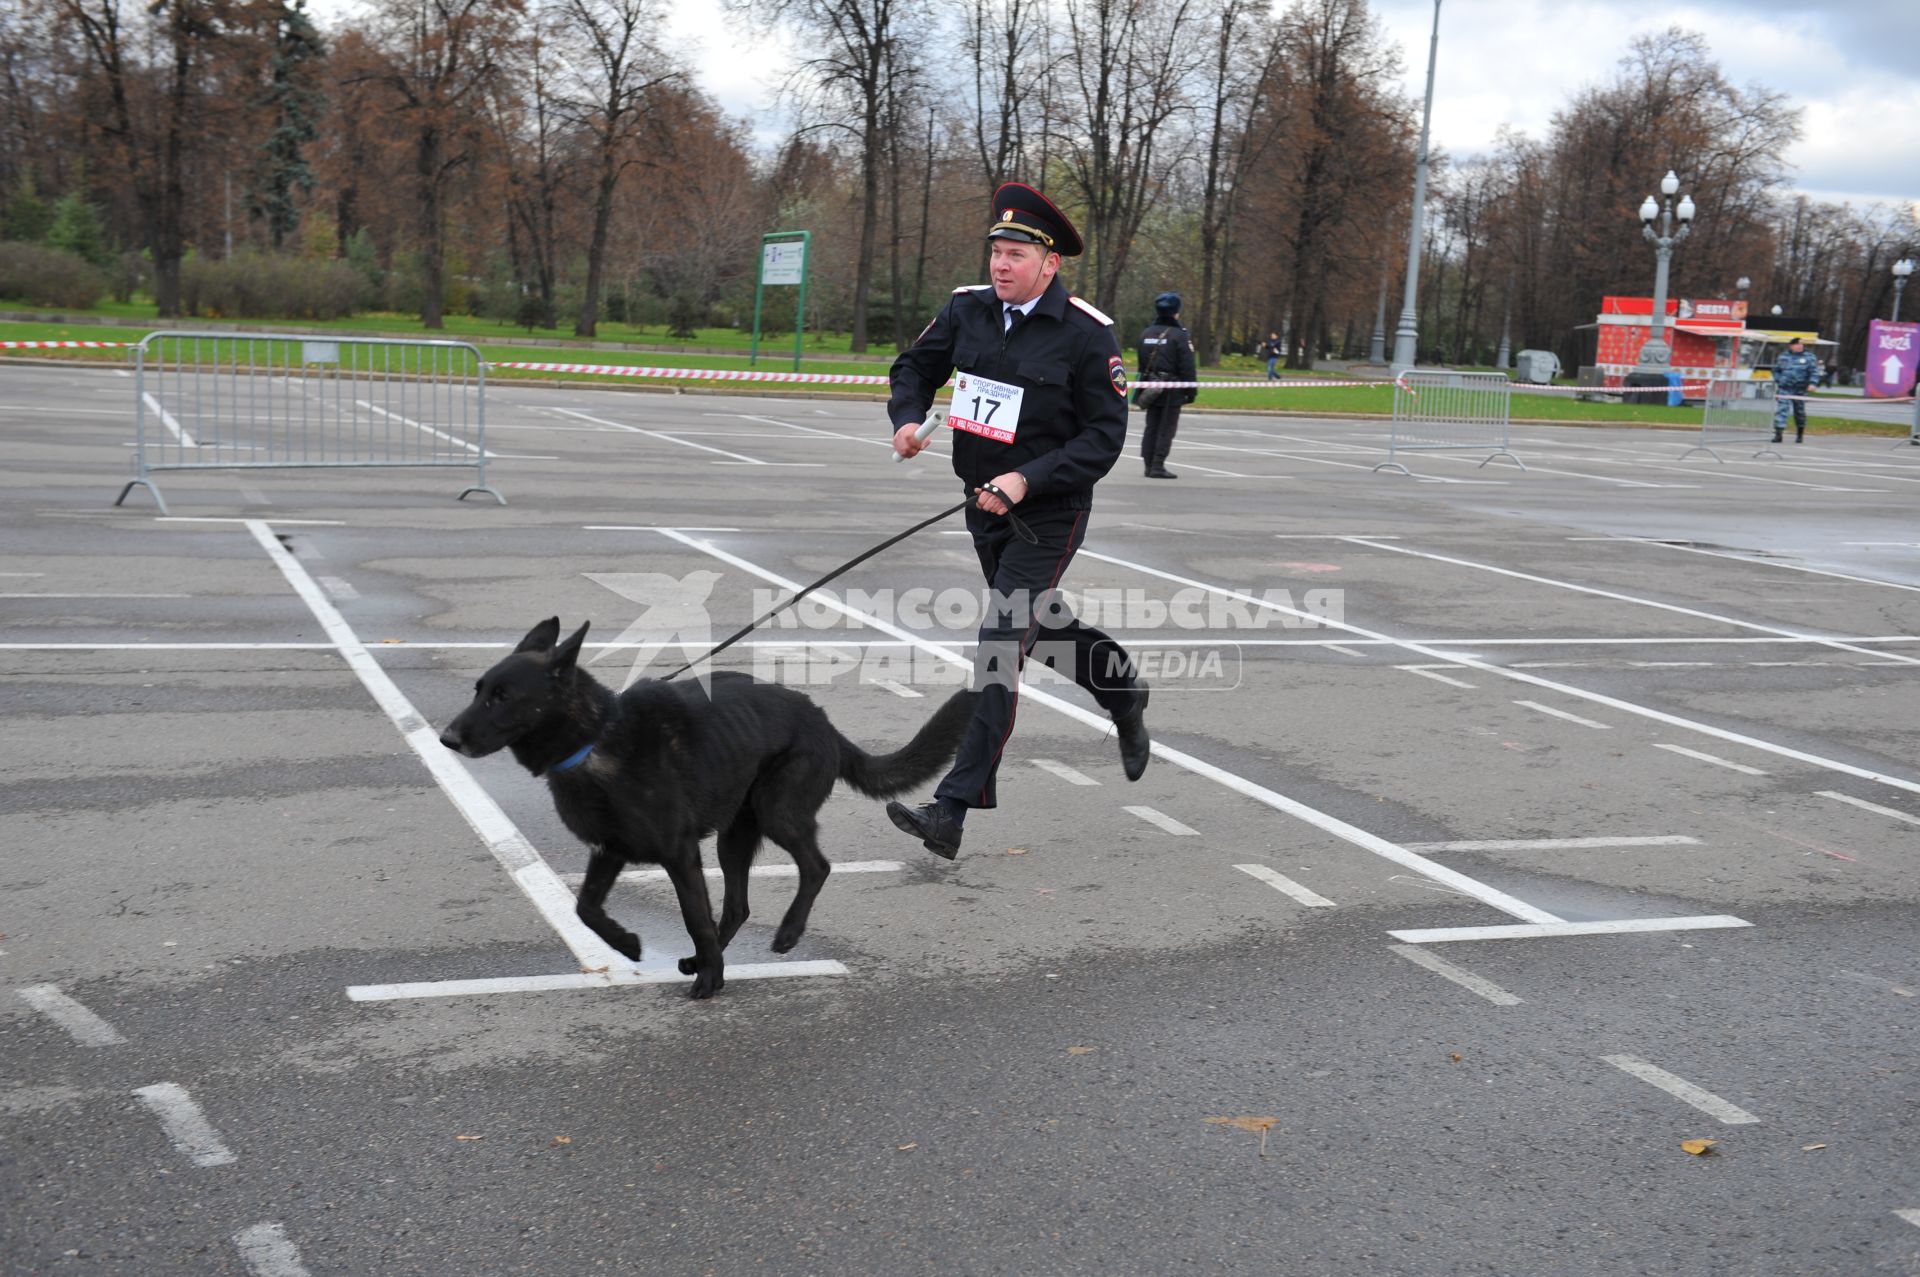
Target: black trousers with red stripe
[1035,622]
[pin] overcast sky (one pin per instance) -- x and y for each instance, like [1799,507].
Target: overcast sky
[1852,65]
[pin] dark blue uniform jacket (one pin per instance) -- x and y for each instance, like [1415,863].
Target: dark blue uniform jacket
[1073,418]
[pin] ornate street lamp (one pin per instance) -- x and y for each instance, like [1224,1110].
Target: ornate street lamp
[1901,269]
[1656,355]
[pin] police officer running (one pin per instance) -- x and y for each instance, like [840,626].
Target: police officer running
[1793,374]
[1166,354]
[1039,415]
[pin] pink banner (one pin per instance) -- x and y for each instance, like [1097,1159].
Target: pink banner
[1893,355]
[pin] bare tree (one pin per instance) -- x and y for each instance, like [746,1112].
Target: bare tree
[1126,80]
[1240,125]
[153,70]
[624,64]
[844,88]
[441,58]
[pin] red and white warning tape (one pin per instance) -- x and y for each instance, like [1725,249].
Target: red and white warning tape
[44,345]
[697,375]
[860,379]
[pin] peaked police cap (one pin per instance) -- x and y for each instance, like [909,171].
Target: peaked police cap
[1024,214]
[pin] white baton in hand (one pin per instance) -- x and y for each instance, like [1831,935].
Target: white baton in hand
[933,422]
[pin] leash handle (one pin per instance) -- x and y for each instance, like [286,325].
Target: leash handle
[934,421]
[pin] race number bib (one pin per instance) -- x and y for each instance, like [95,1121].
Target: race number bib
[990,409]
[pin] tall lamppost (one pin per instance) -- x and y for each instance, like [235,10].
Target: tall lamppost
[1406,335]
[1901,269]
[1656,355]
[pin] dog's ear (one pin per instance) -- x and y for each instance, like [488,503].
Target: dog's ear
[564,656]
[540,638]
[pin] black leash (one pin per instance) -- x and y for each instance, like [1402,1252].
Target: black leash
[1020,529]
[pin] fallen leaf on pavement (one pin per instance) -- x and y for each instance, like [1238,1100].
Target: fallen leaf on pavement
[1699,1148]
[561,1139]
[1081,1050]
[1808,1148]
[469,1137]
[1260,1124]
[1016,851]
[907,1148]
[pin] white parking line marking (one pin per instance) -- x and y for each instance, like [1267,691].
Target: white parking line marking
[168,420]
[95,596]
[424,428]
[1344,651]
[638,527]
[1678,1087]
[1425,672]
[1618,597]
[1063,771]
[1535,680]
[1560,713]
[185,1124]
[1873,807]
[268,1252]
[602,979]
[1490,896]
[1522,931]
[1163,820]
[1282,883]
[1911,1216]
[339,589]
[282,523]
[1556,844]
[898,689]
[1710,758]
[82,1025]
[655,434]
[758,871]
[1774,563]
[502,837]
[1465,979]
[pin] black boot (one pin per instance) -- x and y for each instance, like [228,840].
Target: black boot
[1159,471]
[1136,747]
[937,831]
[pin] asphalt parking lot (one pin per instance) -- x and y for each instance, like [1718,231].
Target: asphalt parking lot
[1506,830]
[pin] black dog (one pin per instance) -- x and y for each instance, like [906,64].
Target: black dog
[645,775]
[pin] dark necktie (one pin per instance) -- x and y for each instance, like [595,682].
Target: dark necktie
[1014,316]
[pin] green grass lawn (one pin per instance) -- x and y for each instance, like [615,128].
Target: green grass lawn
[1300,394]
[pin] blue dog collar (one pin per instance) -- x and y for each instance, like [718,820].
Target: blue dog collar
[572,760]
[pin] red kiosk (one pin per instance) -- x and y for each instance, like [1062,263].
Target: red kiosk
[1710,340]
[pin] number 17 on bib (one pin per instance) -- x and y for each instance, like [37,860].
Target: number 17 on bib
[990,409]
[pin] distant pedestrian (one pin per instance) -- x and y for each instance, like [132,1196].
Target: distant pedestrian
[1793,376]
[1166,354]
[1271,351]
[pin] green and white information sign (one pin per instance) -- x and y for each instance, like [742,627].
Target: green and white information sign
[783,263]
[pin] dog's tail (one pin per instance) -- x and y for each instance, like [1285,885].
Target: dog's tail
[920,760]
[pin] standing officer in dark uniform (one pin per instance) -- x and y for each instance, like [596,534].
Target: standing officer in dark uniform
[1166,354]
[1039,415]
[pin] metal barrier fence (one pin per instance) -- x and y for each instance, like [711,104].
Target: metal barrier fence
[1436,410]
[1736,413]
[217,401]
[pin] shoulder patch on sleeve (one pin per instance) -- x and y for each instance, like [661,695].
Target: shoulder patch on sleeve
[1117,373]
[1091,311]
